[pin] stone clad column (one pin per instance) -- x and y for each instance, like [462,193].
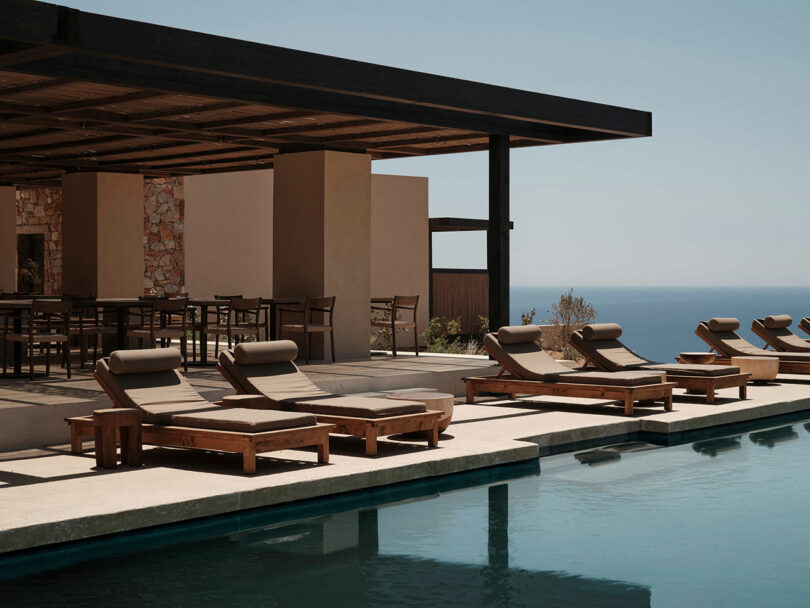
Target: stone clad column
[8,238]
[102,234]
[322,239]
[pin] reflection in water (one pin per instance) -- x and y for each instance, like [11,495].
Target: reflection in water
[807,426]
[713,447]
[595,458]
[772,437]
[332,560]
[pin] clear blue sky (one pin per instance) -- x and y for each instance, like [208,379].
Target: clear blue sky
[719,194]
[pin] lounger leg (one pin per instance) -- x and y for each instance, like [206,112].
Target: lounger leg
[628,406]
[323,449]
[710,395]
[249,459]
[668,402]
[76,446]
[744,391]
[371,441]
[470,392]
[433,435]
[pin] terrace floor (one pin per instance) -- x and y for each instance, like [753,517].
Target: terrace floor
[50,495]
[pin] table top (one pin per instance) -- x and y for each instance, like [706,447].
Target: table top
[419,396]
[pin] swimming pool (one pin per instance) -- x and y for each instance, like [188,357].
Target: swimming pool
[720,522]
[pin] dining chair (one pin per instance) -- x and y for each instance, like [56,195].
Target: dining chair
[310,324]
[168,318]
[47,323]
[242,318]
[394,323]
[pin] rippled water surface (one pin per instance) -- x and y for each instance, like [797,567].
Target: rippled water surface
[721,522]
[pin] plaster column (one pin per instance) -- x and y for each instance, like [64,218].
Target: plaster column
[322,239]
[8,238]
[102,234]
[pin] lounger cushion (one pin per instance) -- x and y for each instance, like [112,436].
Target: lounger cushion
[154,393]
[629,378]
[256,353]
[145,360]
[724,324]
[355,407]
[732,345]
[689,369]
[288,388]
[519,334]
[781,338]
[602,331]
[277,381]
[240,420]
[777,321]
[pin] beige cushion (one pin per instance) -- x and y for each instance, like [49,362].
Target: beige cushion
[255,353]
[241,420]
[724,324]
[356,407]
[289,388]
[602,331]
[696,369]
[519,334]
[777,321]
[145,360]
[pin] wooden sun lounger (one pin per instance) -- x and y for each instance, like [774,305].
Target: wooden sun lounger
[247,444]
[369,428]
[514,386]
[789,363]
[609,361]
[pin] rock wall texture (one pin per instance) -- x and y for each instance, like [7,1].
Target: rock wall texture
[39,211]
[163,227]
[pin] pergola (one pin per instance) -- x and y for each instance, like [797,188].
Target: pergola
[81,92]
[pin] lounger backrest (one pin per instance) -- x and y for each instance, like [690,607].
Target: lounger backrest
[720,335]
[148,380]
[774,330]
[268,368]
[804,324]
[515,348]
[599,343]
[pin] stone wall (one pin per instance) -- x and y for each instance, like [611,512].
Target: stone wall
[163,229]
[39,211]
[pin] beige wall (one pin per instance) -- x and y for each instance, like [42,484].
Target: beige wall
[229,234]
[322,238]
[399,242]
[8,238]
[102,234]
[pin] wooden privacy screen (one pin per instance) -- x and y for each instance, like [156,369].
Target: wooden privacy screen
[461,293]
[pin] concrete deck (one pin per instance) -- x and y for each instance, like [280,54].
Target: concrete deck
[50,496]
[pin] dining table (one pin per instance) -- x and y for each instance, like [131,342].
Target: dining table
[120,307]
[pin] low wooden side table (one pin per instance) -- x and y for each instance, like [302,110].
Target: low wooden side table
[439,402]
[125,422]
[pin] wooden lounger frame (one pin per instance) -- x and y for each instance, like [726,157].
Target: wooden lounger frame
[371,428]
[247,444]
[513,386]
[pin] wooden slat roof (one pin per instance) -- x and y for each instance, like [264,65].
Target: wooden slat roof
[85,92]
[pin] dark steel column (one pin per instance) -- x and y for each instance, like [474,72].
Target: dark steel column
[430,273]
[498,233]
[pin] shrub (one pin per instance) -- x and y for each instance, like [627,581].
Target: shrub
[569,311]
[442,336]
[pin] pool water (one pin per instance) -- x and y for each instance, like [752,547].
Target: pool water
[720,522]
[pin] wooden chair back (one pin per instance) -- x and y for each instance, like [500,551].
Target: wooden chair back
[324,304]
[163,309]
[404,303]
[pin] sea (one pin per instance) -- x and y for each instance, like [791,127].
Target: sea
[660,322]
